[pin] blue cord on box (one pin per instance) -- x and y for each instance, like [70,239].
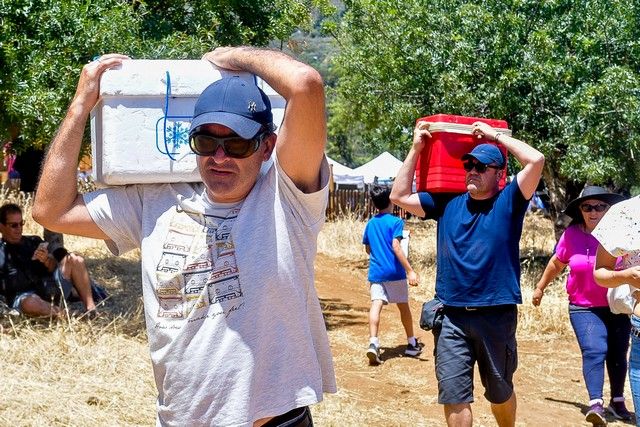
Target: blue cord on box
[177,132]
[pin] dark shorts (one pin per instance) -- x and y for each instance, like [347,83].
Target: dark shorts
[299,417]
[487,336]
[57,282]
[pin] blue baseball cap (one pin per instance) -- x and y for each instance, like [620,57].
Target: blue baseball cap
[235,103]
[487,154]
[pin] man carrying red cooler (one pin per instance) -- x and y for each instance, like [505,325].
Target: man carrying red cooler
[478,269]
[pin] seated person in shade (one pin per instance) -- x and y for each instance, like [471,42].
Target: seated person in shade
[35,280]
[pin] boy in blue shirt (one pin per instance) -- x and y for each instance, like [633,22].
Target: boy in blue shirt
[389,272]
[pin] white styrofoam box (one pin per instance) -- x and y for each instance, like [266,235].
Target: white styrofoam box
[139,130]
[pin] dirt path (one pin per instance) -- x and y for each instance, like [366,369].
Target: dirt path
[403,391]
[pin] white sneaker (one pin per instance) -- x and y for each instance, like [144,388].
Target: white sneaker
[373,354]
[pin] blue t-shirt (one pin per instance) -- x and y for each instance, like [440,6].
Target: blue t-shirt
[379,234]
[478,256]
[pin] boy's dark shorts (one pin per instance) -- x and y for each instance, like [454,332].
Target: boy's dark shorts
[486,335]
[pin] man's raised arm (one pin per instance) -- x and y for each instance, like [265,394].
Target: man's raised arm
[57,205]
[401,193]
[303,135]
[532,160]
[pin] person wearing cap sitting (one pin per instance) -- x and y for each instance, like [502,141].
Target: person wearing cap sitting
[478,274]
[235,327]
[602,335]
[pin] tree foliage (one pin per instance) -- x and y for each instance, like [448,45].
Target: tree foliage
[42,47]
[45,43]
[565,74]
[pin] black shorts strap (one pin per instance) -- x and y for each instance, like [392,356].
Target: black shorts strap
[299,417]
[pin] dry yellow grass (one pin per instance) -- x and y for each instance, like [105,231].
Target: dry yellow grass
[76,372]
[82,373]
[343,239]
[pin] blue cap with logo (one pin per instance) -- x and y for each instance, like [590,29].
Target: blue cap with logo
[235,103]
[488,154]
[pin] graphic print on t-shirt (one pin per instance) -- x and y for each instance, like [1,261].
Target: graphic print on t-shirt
[198,266]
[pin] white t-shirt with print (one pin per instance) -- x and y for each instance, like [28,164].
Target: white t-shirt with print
[235,327]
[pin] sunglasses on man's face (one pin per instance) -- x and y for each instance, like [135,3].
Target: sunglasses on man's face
[15,224]
[480,167]
[205,144]
[600,207]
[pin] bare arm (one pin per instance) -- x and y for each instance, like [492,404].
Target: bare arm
[412,277]
[532,160]
[57,205]
[303,135]
[552,270]
[401,193]
[607,276]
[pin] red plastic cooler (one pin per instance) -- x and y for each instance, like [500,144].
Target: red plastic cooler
[439,168]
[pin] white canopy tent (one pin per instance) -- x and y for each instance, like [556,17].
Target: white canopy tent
[339,168]
[385,167]
[343,175]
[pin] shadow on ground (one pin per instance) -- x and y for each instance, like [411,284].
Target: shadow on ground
[387,353]
[338,314]
[584,408]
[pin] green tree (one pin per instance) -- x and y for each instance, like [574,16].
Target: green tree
[43,45]
[565,74]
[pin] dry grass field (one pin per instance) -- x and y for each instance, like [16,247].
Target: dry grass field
[97,373]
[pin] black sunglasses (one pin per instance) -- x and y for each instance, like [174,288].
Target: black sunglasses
[480,167]
[15,224]
[600,207]
[205,144]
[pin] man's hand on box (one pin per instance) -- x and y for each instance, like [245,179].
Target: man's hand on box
[223,57]
[481,129]
[88,88]
[420,132]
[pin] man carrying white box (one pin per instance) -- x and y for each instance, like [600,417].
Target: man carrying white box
[235,328]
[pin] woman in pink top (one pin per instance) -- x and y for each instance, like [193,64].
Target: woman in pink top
[603,336]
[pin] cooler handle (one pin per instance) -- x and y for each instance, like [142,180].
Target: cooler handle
[458,128]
